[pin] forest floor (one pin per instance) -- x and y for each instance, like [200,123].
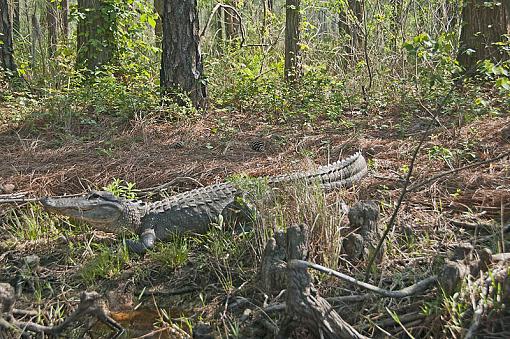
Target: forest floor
[41,161]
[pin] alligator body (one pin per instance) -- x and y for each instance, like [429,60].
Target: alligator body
[191,211]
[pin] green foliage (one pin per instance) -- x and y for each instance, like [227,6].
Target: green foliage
[92,104]
[106,264]
[318,95]
[499,74]
[171,254]
[435,58]
[440,152]
[122,188]
[31,223]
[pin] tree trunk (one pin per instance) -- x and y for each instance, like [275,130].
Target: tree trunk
[270,5]
[159,7]
[483,25]
[96,40]
[232,24]
[6,44]
[51,21]
[293,69]
[15,18]
[395,23]
[181,63]
[351,19]
[35,39]
[64,14]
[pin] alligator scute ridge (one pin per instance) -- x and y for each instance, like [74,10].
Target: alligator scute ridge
[191,211]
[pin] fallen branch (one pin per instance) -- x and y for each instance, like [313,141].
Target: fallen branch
[415,186]
[90,304]
[420,286]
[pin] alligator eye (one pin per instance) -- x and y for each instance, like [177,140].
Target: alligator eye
[93,195]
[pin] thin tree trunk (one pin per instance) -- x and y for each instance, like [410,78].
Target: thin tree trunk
[6,45]
[159,7]
[293,69]
[350,21]
[51,21]
[395,23]
[181,63]
[35,37]
[231,21]
[270,5]
[15,19]
[483,25]
[64,14]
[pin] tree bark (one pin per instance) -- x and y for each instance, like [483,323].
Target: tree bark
[15,17]
[6,45]
[483,25]
[64,14]
[181,63]
[159,7]
[51,21]
[293,70]
[232,24]
[96,41]
[350,21]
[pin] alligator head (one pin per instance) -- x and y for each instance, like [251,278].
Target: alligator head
[102,210]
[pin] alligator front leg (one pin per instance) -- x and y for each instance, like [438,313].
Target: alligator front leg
[146,241]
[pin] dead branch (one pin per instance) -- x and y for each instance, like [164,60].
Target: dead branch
[90,304]
[417,185]
[420,286]
[405,189]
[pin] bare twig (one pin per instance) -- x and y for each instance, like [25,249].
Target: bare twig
[399,203]
[404,190]
[403,293]
[415,186]
[90,304]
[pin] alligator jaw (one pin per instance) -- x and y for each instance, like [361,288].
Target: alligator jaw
[90,208]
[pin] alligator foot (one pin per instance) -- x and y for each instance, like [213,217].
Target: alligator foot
[146,241]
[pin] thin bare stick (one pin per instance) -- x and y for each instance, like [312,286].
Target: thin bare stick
[420,286]
[404,190]
[8,201]
[415,186]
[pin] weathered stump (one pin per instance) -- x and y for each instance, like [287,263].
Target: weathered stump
[305,309]
[363,231]
[272,269]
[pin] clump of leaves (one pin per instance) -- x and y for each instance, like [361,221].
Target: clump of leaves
[121,188]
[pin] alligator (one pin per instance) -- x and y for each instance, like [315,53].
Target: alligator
[187,212]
